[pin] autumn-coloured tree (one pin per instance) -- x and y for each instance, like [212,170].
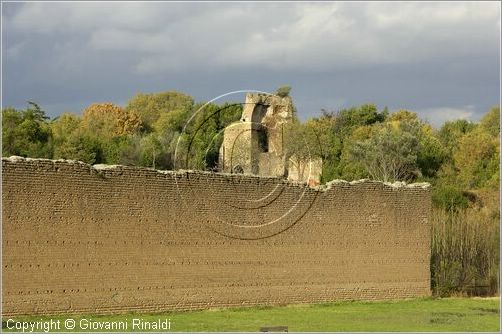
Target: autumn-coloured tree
[108,120]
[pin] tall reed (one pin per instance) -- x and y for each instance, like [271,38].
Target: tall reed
[465,252]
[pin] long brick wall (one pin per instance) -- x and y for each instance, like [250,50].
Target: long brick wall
[109,239]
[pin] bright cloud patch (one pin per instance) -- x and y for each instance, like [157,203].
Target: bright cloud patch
[442,114]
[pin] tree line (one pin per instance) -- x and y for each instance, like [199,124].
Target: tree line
[164,131]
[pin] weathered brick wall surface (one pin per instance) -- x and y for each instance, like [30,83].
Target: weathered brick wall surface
[78,238]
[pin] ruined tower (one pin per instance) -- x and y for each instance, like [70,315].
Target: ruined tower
[255,144]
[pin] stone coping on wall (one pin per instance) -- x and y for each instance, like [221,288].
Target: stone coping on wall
[324,187]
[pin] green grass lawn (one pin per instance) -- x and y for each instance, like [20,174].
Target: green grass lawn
[427,314]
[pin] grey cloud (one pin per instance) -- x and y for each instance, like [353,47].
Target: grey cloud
[422,56]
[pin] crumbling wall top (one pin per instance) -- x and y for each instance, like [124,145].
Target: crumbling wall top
[322,188]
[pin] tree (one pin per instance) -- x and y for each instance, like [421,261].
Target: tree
[12,142]
[450,134]
[104,134]
[491,122]
[63,127]
[173,121]
[348,119]
[477,159]
[298,147]
[325,145]
[203,135]
[402,116]
[108,120]
[149,107]
[26,132]
[65,124]
[390,154]
[151,148]
[306,144]
[431,154]
[82,147]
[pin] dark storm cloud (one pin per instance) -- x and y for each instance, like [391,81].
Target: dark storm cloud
[439,59]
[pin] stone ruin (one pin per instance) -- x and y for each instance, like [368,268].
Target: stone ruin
[256,144]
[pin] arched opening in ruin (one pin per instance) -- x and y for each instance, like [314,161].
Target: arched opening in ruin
[259,111]
[263,139]
[238,169]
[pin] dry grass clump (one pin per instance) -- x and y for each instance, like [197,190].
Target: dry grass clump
[465,251]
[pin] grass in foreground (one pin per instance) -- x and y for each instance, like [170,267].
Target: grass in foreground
[417,315]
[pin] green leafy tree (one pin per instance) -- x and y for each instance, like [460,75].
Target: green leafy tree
[72,140]
[403,115]
[107,130]
[477,159]
[26,132]
[450,134]
[173,121]
[325,144]
[339,130]
[431,155]
[152,149]
[63,129]
[298,148]
[491,122]
[348,119]
[308,142]
[82,147]
[389,154]
[203,135]
[12,140]
[150,107]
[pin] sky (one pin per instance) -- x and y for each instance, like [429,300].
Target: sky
[439,59]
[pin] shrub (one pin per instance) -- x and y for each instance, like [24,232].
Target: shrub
[449,198]
[283,91]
